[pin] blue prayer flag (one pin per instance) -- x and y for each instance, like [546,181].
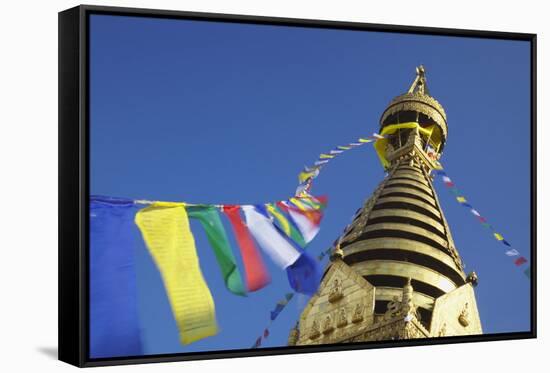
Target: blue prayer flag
[114,323]
[304,275]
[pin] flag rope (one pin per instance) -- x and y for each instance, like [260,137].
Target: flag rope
[519,260]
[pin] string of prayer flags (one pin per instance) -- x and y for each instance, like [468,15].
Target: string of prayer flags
[167,235]
[258,343]
[278,308]
[305,178]
[210,220]
[114,322]
[513,253]
[255,271]
[281,304]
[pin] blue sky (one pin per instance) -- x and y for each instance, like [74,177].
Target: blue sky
[209,112]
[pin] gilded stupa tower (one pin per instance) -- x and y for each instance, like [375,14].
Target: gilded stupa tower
[395,272]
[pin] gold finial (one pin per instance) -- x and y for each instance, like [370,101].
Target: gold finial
[472,278]
[337,253]
[419,84]
[294,335]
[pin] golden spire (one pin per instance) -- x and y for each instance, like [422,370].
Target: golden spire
[419,83]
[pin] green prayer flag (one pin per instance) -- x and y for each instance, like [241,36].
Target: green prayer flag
[210,220]
[285,225]
[527,272]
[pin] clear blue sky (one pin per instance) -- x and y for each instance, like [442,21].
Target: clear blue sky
[213,112]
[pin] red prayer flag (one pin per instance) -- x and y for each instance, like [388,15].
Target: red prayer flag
[255,272]
[266,333]
[519,261]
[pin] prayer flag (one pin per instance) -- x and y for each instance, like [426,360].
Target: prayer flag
[266,333]
[336,151]
[446,179]
[308,228]
[498,236]
[165,230]
[461,199]
[304,275]
[302,188]
[256,274]
[519,261]
[364,141]
[527,272]
[114,322]
[355,144]
[289,296]
[276,311]
[210,220]
[512,252]
[319,163]
[285,225]
[506,243]
[475,212]
[326,156]
[267,236]
[344,147]
[303,176]
[258,343]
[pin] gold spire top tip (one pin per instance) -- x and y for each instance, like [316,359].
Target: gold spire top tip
[419,83]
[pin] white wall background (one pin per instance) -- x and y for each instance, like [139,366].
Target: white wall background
[28,183]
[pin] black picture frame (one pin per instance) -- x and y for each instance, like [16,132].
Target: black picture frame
[74,181]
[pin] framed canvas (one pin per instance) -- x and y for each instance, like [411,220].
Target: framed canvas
[235,186]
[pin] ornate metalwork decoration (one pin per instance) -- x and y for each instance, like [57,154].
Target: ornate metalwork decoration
[383,247]
[314,333]
[463,318]
[358,313]
[336,291]
[342,318]
[328,326]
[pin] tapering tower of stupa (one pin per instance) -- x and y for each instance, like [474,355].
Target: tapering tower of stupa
[395,272]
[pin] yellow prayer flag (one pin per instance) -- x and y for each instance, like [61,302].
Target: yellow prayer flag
[326,156]
[365,140]
[498,236]
[461,199]
[165,229]
[280,218]
[299,204]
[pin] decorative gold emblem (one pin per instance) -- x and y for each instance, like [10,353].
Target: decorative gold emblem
[328,327]
[358,313]
[463,317]
[342,318]
[314,330]
[336,291]
[443,330]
